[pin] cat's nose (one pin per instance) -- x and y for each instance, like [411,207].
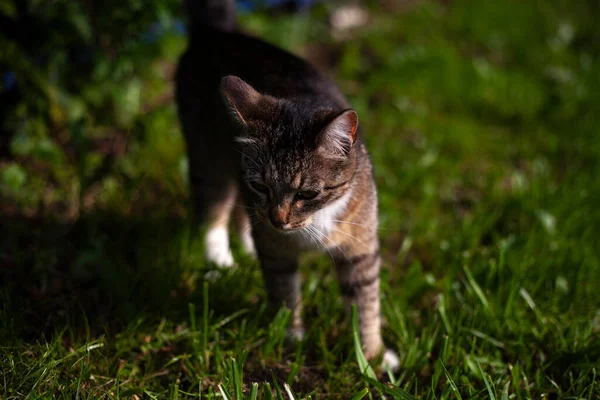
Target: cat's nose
[278,217]
[279,224]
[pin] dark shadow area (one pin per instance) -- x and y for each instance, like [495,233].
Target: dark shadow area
[105,270]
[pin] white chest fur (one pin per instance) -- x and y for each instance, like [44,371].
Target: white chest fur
[316,236]
[324,220]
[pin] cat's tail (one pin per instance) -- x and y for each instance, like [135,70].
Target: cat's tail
[214,14]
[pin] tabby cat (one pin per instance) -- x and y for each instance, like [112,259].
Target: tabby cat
[275,148]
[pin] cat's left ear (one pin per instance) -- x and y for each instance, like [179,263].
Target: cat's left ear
[242,98]
[338,137]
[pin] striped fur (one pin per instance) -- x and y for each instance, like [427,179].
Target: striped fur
[272,142]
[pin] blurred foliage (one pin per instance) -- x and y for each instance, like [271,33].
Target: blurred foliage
[88,75]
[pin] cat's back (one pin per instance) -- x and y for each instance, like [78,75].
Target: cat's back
[213,54]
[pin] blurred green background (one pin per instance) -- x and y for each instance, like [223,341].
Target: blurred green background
[482,118]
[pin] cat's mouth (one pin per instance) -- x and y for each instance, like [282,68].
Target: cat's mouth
[288,227]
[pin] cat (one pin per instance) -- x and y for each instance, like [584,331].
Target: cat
[275,148]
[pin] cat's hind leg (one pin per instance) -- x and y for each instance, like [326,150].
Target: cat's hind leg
[213,203]
[212,169]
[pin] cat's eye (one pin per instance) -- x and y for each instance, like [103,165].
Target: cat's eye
[259,187]
[307,194]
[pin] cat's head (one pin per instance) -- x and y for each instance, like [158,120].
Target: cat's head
[297,158]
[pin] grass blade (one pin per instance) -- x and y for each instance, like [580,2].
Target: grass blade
[223,392]
[288,390]
[152,396]
[477,289]
[253,391]
[236,378]
[451,382]
[360,394]
[505,391]
[195,347]
[205,326]
[393,391]
[267,391]
[79,379]
[487,383]
[277,390]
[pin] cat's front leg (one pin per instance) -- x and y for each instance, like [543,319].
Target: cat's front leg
[358,274]
[282,282]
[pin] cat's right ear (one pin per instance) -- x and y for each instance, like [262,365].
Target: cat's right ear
[338,137]
[241,98]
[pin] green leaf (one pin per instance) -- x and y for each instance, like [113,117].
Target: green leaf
[127,101]
[13,176]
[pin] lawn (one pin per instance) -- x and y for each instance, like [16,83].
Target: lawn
[483,121]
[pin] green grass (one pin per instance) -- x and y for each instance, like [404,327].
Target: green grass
[483,123]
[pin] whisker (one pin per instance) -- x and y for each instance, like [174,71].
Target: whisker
[349,235]
[333,242]
[239,205]
[379,228]
[249,158]
[348,222]
[311,235]
[253,216]
[316,234]
[357,224]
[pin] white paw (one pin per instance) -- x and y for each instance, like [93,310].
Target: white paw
[390,360]
[217,247]
[223,258]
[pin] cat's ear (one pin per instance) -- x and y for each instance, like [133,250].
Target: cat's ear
[338,137]
[241,98]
